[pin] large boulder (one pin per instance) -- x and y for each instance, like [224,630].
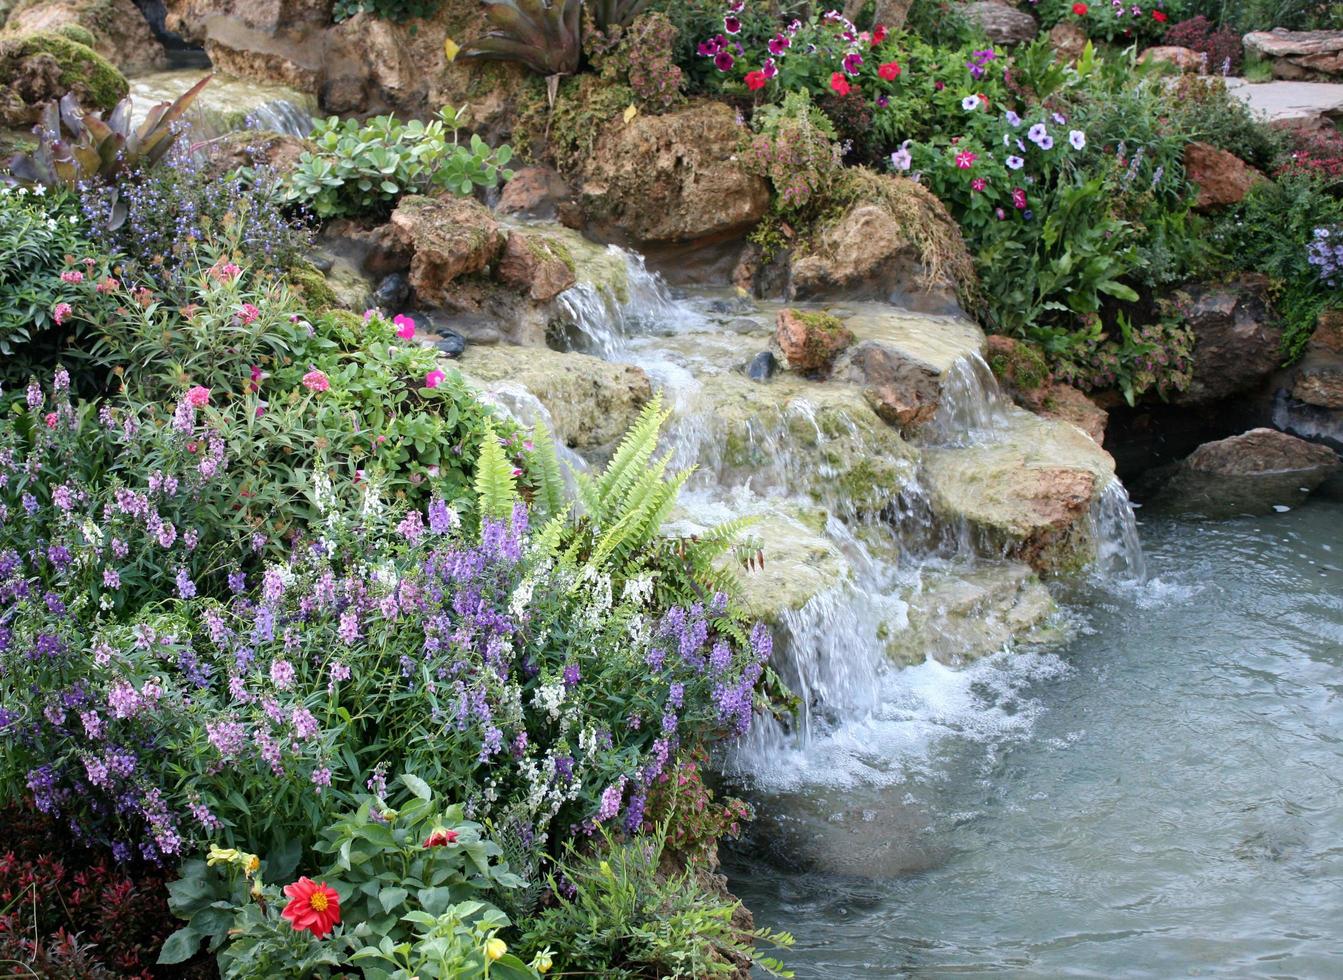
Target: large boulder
[1182,59]
[1252,473]
[1002,22]
[1068,40]
[1028,493]
[535,192]
[1300,55]
[1318,378]
[1222,178]
[118,30]
[1238,342]
[449,237]
[592,402]
[536,263]
[674,178]
[42,67]
[896,243]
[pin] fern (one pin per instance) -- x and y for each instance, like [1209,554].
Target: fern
[630,460]
[495,487]
[544,469]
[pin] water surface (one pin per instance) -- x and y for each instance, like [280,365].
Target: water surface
[1158,797]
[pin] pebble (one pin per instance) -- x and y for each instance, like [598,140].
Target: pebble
[762,366]
[452,343]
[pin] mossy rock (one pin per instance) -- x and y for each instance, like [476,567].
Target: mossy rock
[95,81]
[80,35]
[311,287]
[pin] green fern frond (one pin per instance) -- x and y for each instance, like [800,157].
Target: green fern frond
[496,489]
[631,457]
[547,541]
[543,467]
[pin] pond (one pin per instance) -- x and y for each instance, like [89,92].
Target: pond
[1159,796]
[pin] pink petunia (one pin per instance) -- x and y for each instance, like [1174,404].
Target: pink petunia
[965,160]
[316,381]
[434,378]
[405,326]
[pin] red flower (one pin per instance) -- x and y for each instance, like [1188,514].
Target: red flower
[878,34]
[313,907]
[839,84]
[756,80]
[441,837]
[889,71]
[1080,9]
[1159,16]
[1018,198]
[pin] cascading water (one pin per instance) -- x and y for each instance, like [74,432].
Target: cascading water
[768,458]
[226,104]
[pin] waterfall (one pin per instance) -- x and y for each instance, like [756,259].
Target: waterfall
[972,407]
[1118,549]
[606,313]
[225,105]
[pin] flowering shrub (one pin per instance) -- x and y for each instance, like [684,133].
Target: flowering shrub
[642,57]
[1222,49]
[1325,253]
[1113,21]
[1314,153]
[794,147]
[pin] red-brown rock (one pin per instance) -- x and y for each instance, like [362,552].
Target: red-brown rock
[536,264]
[534,192]
[810,342]
[1185,59]
[1222,178]
[449,237]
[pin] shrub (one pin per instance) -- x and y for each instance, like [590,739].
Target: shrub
[640,56]
[363,168]
[1314,153]
[1115,22]
[794,147]
[1222,48]
[393,10]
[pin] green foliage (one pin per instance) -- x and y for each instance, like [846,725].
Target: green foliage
[496,491]
[75,147]
[364,168]
[1157,358]
[40,238]
[607,14]
[544,35]
[397,11]
[639,55]
[794,148]
[620,916]
[1101,22]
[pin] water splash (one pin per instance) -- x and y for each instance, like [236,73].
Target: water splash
[972,407]
[606,314]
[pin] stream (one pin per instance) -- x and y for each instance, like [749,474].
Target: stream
[1156,797]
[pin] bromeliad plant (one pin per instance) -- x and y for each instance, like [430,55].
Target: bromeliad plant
[75,147]
[544,35]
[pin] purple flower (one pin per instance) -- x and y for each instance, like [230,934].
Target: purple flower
[610,801]
[1014,163]
[778,44]
[731,24]
[571,676]
[853,63]
[723,61]
[282,674]
[1037,133]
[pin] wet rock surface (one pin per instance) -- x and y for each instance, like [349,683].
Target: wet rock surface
[1238,342]
[1252,473]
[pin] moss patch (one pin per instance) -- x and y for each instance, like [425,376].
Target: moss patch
[1022,366]
[566,135]
[311,286]
[83,70]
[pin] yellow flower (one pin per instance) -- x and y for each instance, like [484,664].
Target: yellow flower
[221,855]
[250,863]
[542,963]
[494,949]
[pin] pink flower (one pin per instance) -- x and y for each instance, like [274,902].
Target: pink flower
[198,396]
[51,419]
[1019,198]
[978,184]
[72,275]
[255,383]
[247,313]
[224,272]
[61,311]
[434,378]
[316,381]
[965,160]
[107,285]
[405,326]
[369,314]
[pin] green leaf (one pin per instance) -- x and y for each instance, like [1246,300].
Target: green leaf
[417,786]
[180,946]
[391,897]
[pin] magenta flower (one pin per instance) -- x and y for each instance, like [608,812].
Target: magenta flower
[198,396]
[434,378]
[247,313]
[965,160]
[723,61]
[61,311]
[853,62]
[72,275]
[978,184]
[405,326]
[1019,198]
[778,44]
[316,381]
[731,24]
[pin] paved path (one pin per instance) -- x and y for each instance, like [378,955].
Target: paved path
[1291,103]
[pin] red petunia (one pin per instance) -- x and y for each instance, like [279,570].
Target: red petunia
[889,71]
[1080,9]
[878,34]
[313,907]
[756,80]
[1159,16]
[839,84]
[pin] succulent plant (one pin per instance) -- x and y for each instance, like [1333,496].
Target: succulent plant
[74,146]
[544,35]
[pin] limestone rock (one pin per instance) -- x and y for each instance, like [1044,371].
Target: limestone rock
[810,341]
[903,391]
[449,237]
[1300,55]
[1027,494]
[673,178]
[1066,404]
[535,192]
[1024,376]
[592,402]
[1222,178]
[1068,40]
[1237,340]
[42,67]
[537,263]
[1320,386]
[1002,22]
[1248,474]
[1291,105]
[120,32]
[1183,59]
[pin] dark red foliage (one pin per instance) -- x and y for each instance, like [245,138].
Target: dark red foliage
[1315,153]
[1223,48]
[91,917]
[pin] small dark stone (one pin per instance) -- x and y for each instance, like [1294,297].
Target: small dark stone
[732,307]
[762,366]
[322,262]
[452,344]
[393,291]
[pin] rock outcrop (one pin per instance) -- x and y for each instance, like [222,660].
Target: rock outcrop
[448,237]
[671,179]
[536,192]
[1252,473]
[1300,55]
[1183,59]
[1238,342]
[1222,178]
[43,67]
[1002,22]
[118,30]
[810,341]
[536,263]
[1068,40]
